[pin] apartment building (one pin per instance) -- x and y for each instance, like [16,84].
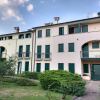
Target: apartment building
[72,46]
[18,45]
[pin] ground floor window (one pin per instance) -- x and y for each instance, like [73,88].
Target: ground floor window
[19,67]
[38,67]
[60,66]
[47,66]
[85,68]
[27,66]
[71,67]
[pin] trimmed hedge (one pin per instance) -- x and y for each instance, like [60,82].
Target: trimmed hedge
[63,81]
[30,75]
[19,81]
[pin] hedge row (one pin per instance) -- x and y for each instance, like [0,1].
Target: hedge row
[18,81]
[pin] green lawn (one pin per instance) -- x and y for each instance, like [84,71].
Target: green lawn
[9,91]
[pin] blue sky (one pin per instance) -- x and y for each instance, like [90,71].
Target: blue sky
[29,13]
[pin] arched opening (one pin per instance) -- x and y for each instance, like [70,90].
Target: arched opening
[2,51]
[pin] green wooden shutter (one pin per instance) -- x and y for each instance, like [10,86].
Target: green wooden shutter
[39,33]
[47,32]
[39,51]
[84,28]
[60,47]
[38,67]
[47,51]
[85,68]
[60,66]
[61,31]
[72,67]
[47,66]
[20,51]
[27,66]
[27,50]
[71,47]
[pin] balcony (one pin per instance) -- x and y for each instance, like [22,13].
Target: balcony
[43,56]
[24,55]
[90,55]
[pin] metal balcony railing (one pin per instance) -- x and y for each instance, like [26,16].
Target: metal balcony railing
[3,55]
[42,56]
[22,55]
[90,54]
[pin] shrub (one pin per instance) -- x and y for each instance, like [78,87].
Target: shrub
[76,88]
[62,81]
[26,82]
[18,81]
[30,75]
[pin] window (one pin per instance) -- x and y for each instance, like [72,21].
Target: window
[95,44]
[47,32]
[71,67]
[47,51]
[27,66]
[27,50]
[61,31]
[71,47]
[39,51]
[60,66]
[84,28]
[9,37]
[77,29]
[47,66]
[21,36]
[38,67]
[19,67]
[60,47]
[20,51]
[39,33]
[85,68]
[28,35]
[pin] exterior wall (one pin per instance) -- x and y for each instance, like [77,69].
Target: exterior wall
[66,57]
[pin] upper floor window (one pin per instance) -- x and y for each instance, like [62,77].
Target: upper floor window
[28,35]
[84,28]
[61,30]
[39,33]
[47,32]
[71,47]
[61,47]
[21,36]
[9,37]
[95,45]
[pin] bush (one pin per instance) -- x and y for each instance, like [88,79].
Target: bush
[62,81]
[18,81]
[25,82]
[30,75]
[76,88]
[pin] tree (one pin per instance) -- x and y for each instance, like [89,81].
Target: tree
[7,67]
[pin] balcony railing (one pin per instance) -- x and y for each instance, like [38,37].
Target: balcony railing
[3,55]
[90,54]
[22,55]
[43,56]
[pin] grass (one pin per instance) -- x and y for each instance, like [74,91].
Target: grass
[9,91]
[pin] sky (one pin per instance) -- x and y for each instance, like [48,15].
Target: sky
[31,13]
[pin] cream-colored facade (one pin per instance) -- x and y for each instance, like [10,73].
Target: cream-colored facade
[73,46]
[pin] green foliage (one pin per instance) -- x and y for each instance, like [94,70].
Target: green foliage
[73,88]
[30,75]
[62,81]
[26,82]
[7,67]
[18,81]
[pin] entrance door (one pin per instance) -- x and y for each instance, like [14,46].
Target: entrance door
[85,51]
[95,72]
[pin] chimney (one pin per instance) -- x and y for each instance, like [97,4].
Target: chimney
[17,29]
[98,14]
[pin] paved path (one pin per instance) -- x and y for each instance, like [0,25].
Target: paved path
[92,91]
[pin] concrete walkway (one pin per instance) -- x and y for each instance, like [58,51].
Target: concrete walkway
[92,91]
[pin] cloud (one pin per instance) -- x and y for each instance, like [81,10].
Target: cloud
[30,7]
[94,14]
[10,9]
